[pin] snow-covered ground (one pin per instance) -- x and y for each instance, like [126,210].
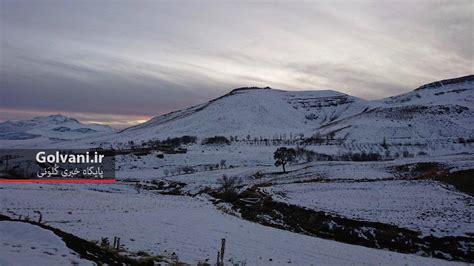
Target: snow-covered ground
[26,244]
[424,206]
[245,161]
[190,227]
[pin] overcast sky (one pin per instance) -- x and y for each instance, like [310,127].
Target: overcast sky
[123,62]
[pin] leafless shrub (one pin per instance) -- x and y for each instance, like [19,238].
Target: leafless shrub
[229,187]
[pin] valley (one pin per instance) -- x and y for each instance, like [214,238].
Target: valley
[387,181]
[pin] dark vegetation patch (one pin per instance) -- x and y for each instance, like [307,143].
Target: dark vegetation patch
[361,157]
[164,187]
[216,140]
[184,140]
[168,146]
[462,180]
[254,205]
[420,171]
[340,180]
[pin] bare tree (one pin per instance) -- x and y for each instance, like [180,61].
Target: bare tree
[188,169]
[229,187]
[222,163]
[138,188]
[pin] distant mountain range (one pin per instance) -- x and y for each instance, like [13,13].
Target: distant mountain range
[50,127]
[441,111]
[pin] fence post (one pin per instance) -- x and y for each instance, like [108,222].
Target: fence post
[222,250]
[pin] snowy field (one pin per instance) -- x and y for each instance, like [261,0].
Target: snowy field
[260,158]
[26,244]
[190,227]
[424,206]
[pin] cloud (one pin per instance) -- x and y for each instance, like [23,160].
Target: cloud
[138,60]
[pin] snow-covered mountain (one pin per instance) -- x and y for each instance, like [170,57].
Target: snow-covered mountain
[258,112]
[442,110]
[439,110]
[57,127]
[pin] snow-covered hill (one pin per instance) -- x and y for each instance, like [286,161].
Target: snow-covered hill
[438,111]
[56,127]
[258,112]
[441,110]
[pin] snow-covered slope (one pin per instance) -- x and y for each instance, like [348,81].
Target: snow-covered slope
[190,227]
[442,110]
[50,127]
[258,112]
[26,244]
[456,91]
